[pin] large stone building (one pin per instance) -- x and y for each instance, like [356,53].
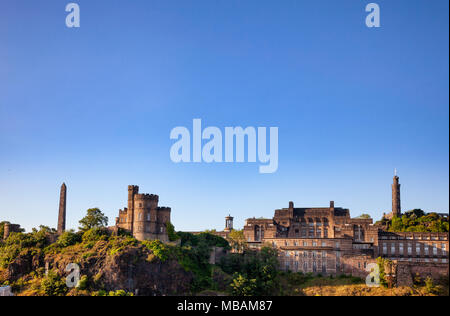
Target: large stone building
[143,217]
[327,240]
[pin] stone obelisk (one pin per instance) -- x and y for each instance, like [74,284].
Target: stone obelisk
[62,209]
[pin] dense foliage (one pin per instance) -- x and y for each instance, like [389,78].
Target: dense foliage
[255,272]
[417,221]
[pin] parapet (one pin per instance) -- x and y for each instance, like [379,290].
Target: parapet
[146,197]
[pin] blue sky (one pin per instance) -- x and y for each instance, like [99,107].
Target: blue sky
[94,106]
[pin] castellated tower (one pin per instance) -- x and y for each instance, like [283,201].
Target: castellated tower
[62,209]
[396,208]
[143,217]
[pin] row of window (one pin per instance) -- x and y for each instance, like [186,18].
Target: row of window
[307,266]
[416,237]
[409,248]
[311,233]
[305,243]
[140,229]
[140,218]
[443,260]
[306,254]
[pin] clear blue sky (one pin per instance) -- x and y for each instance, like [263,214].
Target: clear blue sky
[94,106]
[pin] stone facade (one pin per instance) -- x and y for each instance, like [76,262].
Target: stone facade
[317,240]
[328,241]
[143,217]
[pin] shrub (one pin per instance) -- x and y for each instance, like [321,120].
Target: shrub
[52,285]
[95,234]
[159,249]
[68,238]
[83,283]
[242,286]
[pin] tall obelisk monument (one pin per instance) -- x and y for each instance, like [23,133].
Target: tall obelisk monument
[62,209]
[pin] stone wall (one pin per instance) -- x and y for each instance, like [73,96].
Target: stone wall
[406,271]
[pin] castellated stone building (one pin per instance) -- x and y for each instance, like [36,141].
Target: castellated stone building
[143,217]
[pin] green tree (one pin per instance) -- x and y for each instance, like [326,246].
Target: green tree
[171,232]
[237,240]
[94,219]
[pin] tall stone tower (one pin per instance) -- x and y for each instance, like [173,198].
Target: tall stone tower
[62,209]
[396,207]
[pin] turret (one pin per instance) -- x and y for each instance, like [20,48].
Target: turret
[228,223]
[132,191]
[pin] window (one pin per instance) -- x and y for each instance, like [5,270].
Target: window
[325,233]
[148,217]
[314,243]
[434,249]
[365,265]
[425,249]
[305,243]
[409,249]
[417,248]
[400,248]
[444,247]
[324,244]
[140,216]
[392,248]
[385,249]
[337,244]
[324,254]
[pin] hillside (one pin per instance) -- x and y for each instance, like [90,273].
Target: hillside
[35,263]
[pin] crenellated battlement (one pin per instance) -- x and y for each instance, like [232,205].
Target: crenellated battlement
[146,197]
